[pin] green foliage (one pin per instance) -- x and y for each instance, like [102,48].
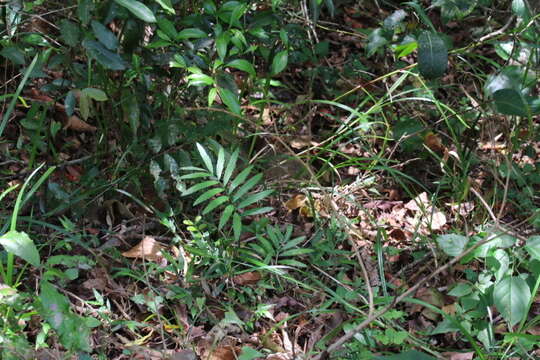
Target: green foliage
[223,187]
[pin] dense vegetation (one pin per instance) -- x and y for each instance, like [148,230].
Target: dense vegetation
[269,180]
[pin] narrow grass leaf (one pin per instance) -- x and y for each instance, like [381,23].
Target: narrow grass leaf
[294,242]
[254,198]
[231,165]
[220,162]
[258,211]
[240,178]
[248,185]
[205,158]
[199,187]
[296,252]
[207,195]
[225,216]
[215,203]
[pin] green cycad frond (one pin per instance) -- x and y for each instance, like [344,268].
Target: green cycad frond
[221,188]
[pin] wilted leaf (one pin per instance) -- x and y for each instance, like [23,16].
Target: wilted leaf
[148,249]
[76,124]
[296,202]
[248,278]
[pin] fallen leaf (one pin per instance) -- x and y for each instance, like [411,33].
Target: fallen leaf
[433,142]
[248,278]
[76,124]
[458,356]
[148,249]
[223,353]
[296,202]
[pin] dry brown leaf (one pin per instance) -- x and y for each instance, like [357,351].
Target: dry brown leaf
[223,353]
[296,202]
[248,278]
[458,356]
[148,249]
[433,142]
[301,142]
[76,124]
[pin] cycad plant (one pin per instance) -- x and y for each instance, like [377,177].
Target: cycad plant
[222,187]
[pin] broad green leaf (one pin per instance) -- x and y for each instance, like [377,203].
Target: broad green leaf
[377,39]
[279,63]
[220,163]
[212,94]
[510,77]
[207,160]
[521,9]
[243,65]
[452,244]
[510,102]
[199,79]
[131,110]
[167,27]
[240,178]
[84,106]
[405,49]
[231,166]
[72,330]
[138,9]
[191,33]
[200,186]
[95,94]
[215,203]
[84,11]
[70,103]
[248,185]
[254,198]
[396,18]
[408,355]
[533,246]
[230,99]
[511,296]
[20,244]
[222,41]
[104,35]
[249,353]
[225,216]
[13,54]
[166,5]
[105,57]
[207,195]
[70,32]
[432,55]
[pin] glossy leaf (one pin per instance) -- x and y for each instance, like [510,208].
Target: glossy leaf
[377,39]
[138,9]
[432,55]
[220,163]
[20,244]
[243,65]
[95,94]
[200,186]
[207,160]
[191,33]
[166,5]
[237,226]
[104,35]
[240,178]
[222,41]
[167,27]
[248,185]
[511,296]
[253,198]
[105,57]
